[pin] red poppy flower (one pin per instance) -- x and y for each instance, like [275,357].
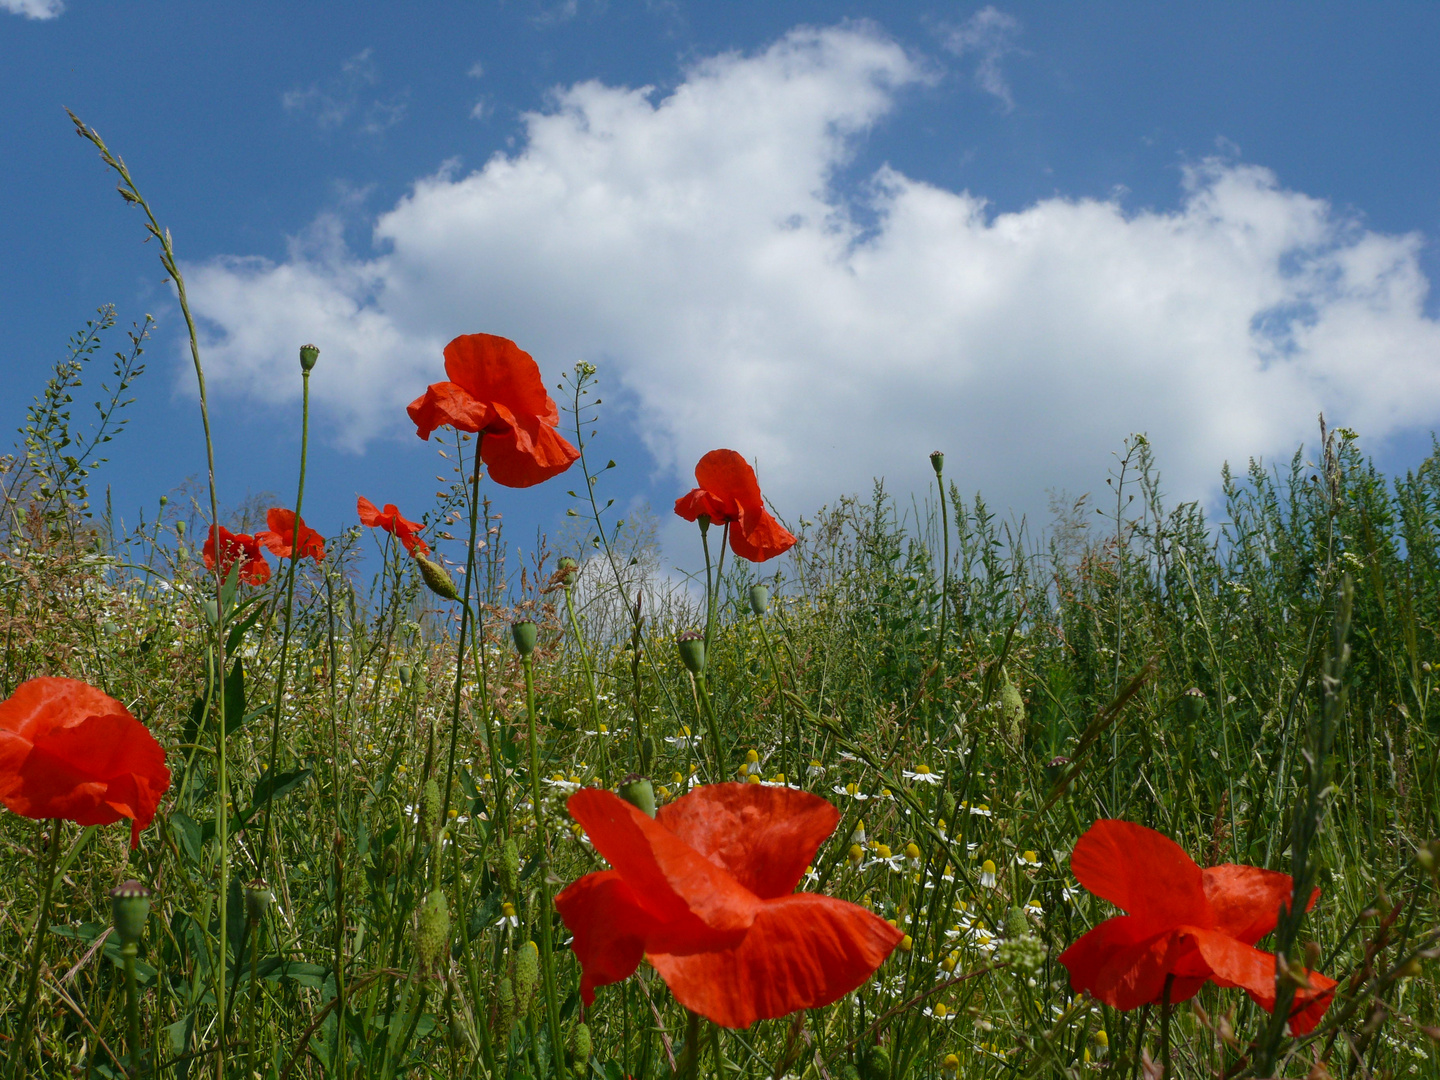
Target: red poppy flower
[1197,925]
[705,890]
[69,751]
[284,537]
[389,519]
[495,387]
[237,547]
[729,494]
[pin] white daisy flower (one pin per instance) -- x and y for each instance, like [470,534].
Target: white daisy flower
[923,775]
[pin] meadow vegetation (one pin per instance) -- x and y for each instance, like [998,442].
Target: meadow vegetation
[353,869]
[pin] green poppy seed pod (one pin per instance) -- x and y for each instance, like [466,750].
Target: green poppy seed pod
[527,976]
[435,578]
[580,1045]
[510,868]
[258,899]
[432,937]
[566,570]
[130,907]
[524,633]
[504,1007]
[704,522]
[430,806]
[406,674]
[692,651]
[308,355]
[638,791]
[759,599]
[937,461]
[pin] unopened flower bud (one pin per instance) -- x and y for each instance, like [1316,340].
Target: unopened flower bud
[435,578]
[130,907]
[524,633]
[510,868]
[432,938]
[430,801]
[180,529]
[527,976]
[308,355]
[691,644]
[258,899]
[580,1044]
[505,1002]
[759,599]
[640,792]
[406,673]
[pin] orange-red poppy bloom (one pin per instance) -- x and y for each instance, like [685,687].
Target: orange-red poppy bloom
[1196,925]
[495,388]
[729,494]
[237,547]
[705,891]
[389,519]
[285,536]
[69,751]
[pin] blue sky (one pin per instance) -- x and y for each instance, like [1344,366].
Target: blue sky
[831,236]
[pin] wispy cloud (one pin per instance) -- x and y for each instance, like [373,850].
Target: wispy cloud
[989,35]
[694,244]
[332,103]
[34,9]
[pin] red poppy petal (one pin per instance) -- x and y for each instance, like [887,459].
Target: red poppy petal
[1122,962]
[803,952]
[765,836]
[48,702]
[1310,1005]
[699,501]
[1246,900]
[1141,872]
[369,515]
[495,369]
[446,404]
[1236,963]
[760,538]
[670,878]
[608,924]
[527,454]
[728,475]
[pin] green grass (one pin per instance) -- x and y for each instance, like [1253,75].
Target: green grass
[1177,662]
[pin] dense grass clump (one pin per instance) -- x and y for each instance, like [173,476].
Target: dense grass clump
[354,866]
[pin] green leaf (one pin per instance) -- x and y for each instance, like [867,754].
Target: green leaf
[187,835]
[282,786]
[235,697]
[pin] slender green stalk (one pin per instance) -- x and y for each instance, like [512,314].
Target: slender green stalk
[132,1006]
[589,681]
[717,743]
[21,1045]
[464,627]
[547,949]
[1165,1011]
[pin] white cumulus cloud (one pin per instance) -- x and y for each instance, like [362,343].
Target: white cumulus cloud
[34,9]
[696,247]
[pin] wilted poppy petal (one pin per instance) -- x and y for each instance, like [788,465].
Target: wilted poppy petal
[1246,899]
[448,404]
[608,924]
[670,878]
[699,501]
[495,369]
[759,537]
[728,475]
[1141,872]
[1122,962]
[526,454]
[765,836]
[804,951]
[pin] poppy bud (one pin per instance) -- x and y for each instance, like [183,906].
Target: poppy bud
[566,571]
[638,791]
[1012,709]
[432,938]
[524,633]
[130,907]
[505,1000]
[430,801]
[580,1044]
[406,671]
[510,868]
[527,976]
[937,461]
[692,651]
[877,1064]
[759,599]
[258,899]
[947,805]
[308,355]
[180,529]
[435,578]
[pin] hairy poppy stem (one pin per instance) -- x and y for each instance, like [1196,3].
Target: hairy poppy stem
[547,957]
[464,626]
[1165,1010]
[32,982]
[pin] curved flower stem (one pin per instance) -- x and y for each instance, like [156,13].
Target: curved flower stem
[589,682]
[464,626]
[547,958]
[32,981]
[944,589]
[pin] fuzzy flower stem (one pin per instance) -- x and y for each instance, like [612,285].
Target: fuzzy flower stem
[547,958]
[32,982]
[464,626]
